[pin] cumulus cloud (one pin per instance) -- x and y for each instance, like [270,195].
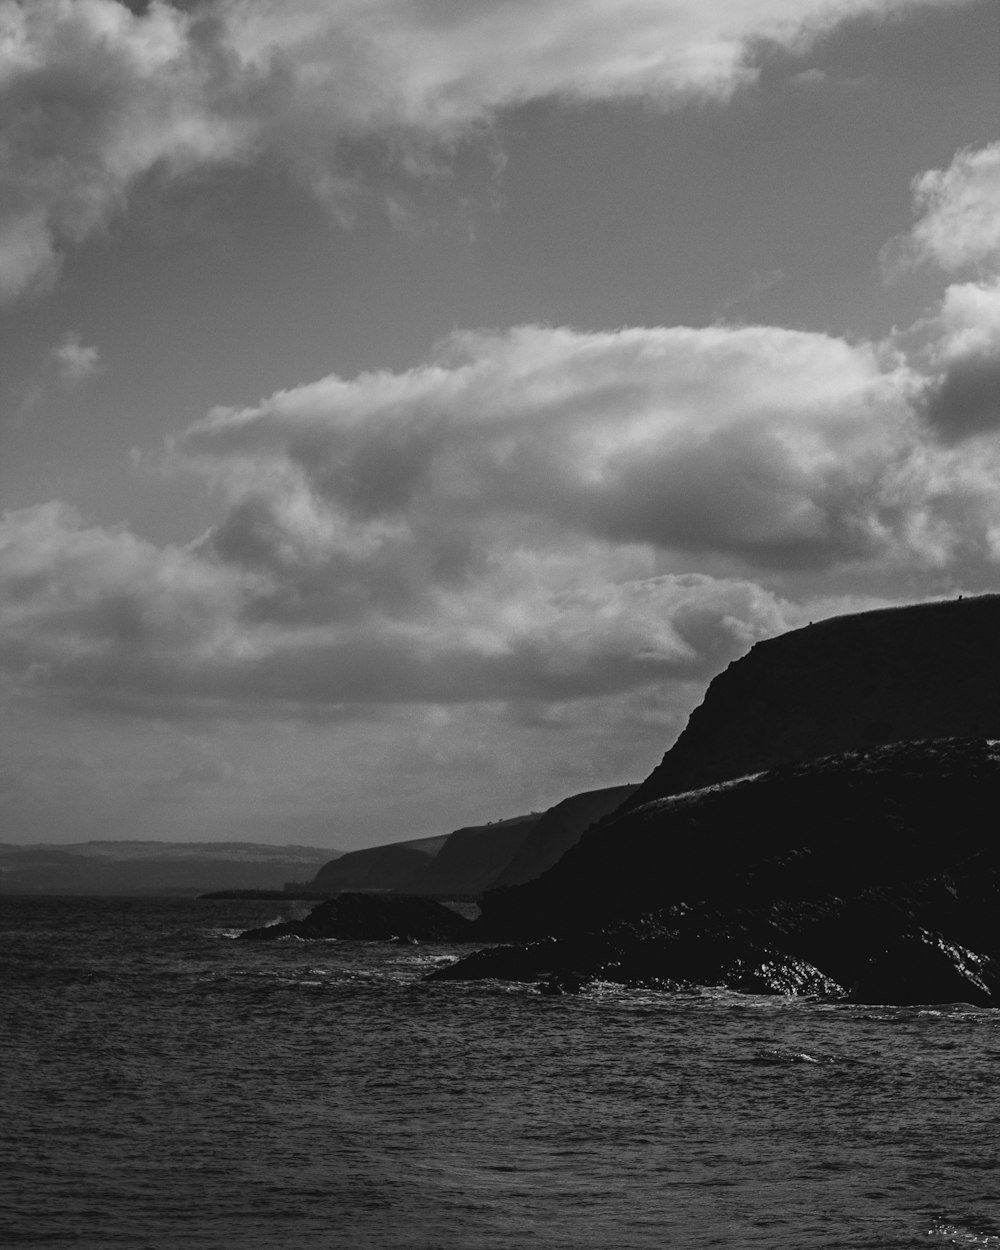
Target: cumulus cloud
[514,521]
[81,599]
[773,446]
[959,211]
[74,360]
[958,227]
[116,622]
[95,97]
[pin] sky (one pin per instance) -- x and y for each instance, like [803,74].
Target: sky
[408,406]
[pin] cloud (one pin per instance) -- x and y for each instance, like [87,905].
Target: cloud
[959,211]
[958,227]
[80,598]
[770,446]
[515,521]
[95,98]
[74,361]
[114,622]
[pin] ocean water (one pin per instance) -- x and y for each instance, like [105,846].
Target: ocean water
[165,1086]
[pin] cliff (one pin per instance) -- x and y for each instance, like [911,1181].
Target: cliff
[556,831]
[839,824]
[471,858]
[872,875]
[474,858]
[927,671]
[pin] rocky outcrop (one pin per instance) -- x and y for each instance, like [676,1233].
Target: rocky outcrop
[842,823]
[901,944]
[926,671]
[924,967]
[372,918]
[557,830]
[872,876]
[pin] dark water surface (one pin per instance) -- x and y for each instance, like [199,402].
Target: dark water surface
[163,1085]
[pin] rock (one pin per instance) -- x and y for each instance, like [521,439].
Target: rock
[562,983]
[841,824]
[926,968]
[373,917]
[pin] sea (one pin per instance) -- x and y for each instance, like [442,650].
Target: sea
[163,1085]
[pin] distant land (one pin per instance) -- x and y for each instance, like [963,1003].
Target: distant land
[475,858]
[155,867]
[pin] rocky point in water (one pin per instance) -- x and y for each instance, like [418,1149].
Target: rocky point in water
[822,826]
[872,875]
[372,917]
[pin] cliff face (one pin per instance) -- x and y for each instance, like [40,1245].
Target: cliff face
[470,859]
[475,858]
[840,824]
[928,671]
[557,830]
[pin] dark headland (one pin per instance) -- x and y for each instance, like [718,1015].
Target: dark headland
[826,824]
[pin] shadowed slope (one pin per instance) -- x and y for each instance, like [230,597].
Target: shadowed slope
[557,830]
[927,671]
[838,824]
[471,858]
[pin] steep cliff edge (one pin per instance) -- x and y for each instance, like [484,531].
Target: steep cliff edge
[840,824]
[927,671]
[558,829]
[872,875]
[471,858]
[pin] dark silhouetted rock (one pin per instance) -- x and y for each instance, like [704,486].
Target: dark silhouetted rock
[824,825]
[839,824]
[926,968]
[372,917]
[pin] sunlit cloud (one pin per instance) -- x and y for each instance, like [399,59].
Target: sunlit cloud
[511,521]
[74,360]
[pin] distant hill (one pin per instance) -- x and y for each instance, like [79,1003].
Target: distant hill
[474,858]
[154,867]
[390,866]
[557,830]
